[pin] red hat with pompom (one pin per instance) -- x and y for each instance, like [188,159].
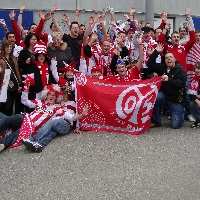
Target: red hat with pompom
[40,47]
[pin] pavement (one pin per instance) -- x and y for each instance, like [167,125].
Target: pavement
[161,163]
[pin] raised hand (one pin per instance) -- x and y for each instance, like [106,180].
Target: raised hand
[78,12]
[132,11]
[139,40]
[2,22]
[28,60]
[167,26]
[95,11]
[160,47]
[41,15]
[12,14]
[116,51]
[65,18]
[22,7]
[126,16]
[187,12]
[47,16]
[54,7]
[112,23]
[53,61]
[91,20]
[149,50]
[163,16]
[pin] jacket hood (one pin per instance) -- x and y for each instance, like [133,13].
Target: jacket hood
[63,46]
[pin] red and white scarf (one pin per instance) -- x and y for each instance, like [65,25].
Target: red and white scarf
[44,71]
[194,86]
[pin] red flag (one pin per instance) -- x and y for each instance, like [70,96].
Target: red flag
[116,106]
[27,129]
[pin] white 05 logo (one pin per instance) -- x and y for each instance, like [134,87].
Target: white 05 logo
[134,105]
[81,79]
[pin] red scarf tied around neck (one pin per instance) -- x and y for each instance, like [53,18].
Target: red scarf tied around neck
[44,71]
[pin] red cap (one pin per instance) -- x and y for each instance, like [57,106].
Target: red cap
[96,68]
[130,29]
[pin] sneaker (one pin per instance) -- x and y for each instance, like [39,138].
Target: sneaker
[168,117]
[37,147]
[191,119]
[28,143]
[2,147]
[195,125]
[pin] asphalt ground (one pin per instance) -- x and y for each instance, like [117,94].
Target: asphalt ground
[161,163]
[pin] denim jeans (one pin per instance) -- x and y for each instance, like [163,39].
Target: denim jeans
[176,111]
[187,101]
[14,122]
[51,129]
[195,110]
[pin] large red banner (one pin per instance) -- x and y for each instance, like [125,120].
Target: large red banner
[116,106]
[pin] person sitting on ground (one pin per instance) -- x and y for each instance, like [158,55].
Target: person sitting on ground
[194,93]
[59,124]
[48,120]
[172,93]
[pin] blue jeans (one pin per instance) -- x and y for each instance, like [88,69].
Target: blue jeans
[14,122]
[187,101]
[176,111]
[51,129]
[195,110]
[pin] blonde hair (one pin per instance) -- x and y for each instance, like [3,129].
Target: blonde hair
[55,34]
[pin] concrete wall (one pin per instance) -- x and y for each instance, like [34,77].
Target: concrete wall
[175,8]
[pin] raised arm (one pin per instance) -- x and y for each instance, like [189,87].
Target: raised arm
[189,44]
[15,27]
[78,12]
[3,23]
[132,12]
[91,23]
[103,31]
[66,20]
[54,19]
[112,15]
[189,18]
[19,21]
[40,27]
[141,54]
[163,16]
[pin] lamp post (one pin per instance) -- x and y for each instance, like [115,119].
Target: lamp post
[149,18]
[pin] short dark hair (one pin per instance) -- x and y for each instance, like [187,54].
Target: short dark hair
[28,37]
[37,54]
[175,32]
[74,22]
[197,31]
[8,33]
[31,25]
[170,52]
[51,25]
[82,25]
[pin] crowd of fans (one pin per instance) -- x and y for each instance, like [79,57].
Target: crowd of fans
[43,66]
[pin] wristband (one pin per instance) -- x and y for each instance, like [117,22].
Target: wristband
[21,13]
